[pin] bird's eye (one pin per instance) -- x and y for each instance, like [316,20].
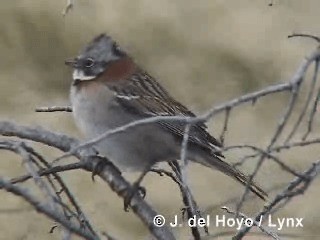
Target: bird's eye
[89,62]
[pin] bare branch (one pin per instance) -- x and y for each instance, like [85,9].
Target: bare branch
[304,35]
[236,198]
[48,171]
[293,85]
[191,206]
[44,209]
[225,125]
[54,109]
[28,152]
[68,7]
[312,116]
[255,223]
[305,107]
[109,174]
[261,152]
[290,191]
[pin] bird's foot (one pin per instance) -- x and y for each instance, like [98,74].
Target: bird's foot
[102,163]
[130,192]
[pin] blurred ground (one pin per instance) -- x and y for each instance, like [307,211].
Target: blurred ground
[204,52]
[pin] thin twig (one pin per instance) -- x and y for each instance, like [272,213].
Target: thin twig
[255,223]
[225,125]
[260,153]
[305,107]
[48,171]
[54,109]
[295,82]
[312,116]
[162,172]
[234,199]
[304,35]
[21,147]
[109,173]
[44,209]
[68,7]
[309,175]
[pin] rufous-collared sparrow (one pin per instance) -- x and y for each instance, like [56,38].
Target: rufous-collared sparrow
[110,90]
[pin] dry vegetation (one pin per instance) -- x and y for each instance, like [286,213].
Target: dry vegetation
[205,52]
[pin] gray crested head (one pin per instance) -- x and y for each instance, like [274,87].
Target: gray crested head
[95,57]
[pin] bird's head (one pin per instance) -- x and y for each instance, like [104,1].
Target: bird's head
[95,58]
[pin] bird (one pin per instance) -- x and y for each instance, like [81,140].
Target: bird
[109,90]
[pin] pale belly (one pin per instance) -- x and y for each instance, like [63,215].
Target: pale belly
[131,150]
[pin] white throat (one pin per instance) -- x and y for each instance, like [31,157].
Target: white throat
[79,75]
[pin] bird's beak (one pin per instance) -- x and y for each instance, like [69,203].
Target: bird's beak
[71,62]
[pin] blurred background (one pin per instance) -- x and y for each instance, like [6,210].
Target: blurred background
[204,52]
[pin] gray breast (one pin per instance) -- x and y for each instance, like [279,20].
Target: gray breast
[133,149]
[95,111]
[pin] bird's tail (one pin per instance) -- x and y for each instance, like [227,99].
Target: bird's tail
[219,164]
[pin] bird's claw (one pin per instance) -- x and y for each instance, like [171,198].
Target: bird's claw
[130,194]
[98,168]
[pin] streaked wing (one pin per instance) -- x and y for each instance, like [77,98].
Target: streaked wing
[144,96]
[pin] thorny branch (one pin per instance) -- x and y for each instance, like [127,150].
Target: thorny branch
[255,223]
[80,225]
[30,154]
[293,189]
[109,174]
[45,209]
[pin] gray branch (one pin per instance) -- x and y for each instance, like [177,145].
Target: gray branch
[45,209]
[109,174]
